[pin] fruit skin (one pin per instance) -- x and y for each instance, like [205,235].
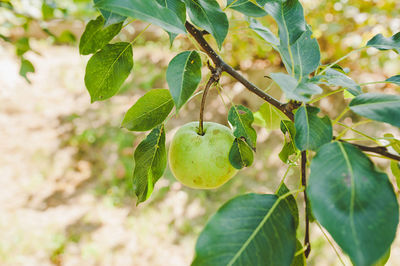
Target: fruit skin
[202,161]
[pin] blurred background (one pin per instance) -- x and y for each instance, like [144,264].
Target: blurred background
[66,165]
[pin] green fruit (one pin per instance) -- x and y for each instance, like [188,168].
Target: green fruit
[201,161]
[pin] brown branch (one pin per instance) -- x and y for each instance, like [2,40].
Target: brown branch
[377,149]
[286,108]
[307,243]
[218,62]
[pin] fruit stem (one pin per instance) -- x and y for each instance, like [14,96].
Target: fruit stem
[215,75]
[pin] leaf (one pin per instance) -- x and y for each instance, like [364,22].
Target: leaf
[288,126]
[291,203]
[287,151]
[150,162]
[47,11]
[394,80]
[353,201]
[247,8]
[382,261]
[183,76]
[311,131]
[252,229]
[306,55]
[334,77]
[241,118]
[240,154]
[96,36]
[207,14]
[110,17]
[146,10]
[22,46]
[290,18]
[149,111]
[269,116]
[379,107]
[107,70]
[26,67]
[392,142]
[265,33]
[293,90]
[382,43]
[179,8]
[395,167]
[299,260]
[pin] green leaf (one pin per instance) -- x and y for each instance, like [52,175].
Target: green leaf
[379,107]
[107,70]
[395,167]
[22,46]
[293,89]
[253,229]
[207,14]
[305,55]
[183,76]
[288,149]
[394,80]
[96,36]
[287,126]
[382,261]
[291,203]
[26,67]
[110,17]
[393,142]
[240,154]
[353,201]
[299,260]
[382,43]
[146,10]
[311,131]
[334,77]
[150,162]
[269,116]
[247,8]
[47,11]
[149,111]
[265,33]
[241,118]
[179,8]
[290,18]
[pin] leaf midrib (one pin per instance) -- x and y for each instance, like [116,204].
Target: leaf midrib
[150,111]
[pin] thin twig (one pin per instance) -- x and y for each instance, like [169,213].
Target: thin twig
[307,244]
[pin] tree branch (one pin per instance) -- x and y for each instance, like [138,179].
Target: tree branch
[307,243]
[218,62]
[286,108]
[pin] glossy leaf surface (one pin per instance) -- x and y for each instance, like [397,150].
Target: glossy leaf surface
[149,111]
[247,8]
[107,70]
[207,14]
[353,201]
[382,43]
[311,130]
[253,229]
[183,76]
[241,119]
[265,33]
[394,80]
[110,17]
[379,107]
[290,18]
[96,36]
[240,154]
[146,10]
[293,89]
[150,162]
